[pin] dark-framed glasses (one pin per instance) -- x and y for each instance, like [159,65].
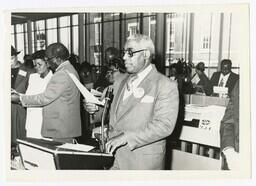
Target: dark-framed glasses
[49,58]
[131,53]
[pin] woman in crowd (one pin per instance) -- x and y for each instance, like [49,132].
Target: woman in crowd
[37,84]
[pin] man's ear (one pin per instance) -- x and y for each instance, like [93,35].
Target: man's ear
[146,54]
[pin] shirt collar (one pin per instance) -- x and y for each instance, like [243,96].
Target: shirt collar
[61,65]
[226,76]
[143,73]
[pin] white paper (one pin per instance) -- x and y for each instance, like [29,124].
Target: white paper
[79,147]
[211,117]
[96,92]
[195,79]
[89,97]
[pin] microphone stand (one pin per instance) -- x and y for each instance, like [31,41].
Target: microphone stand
[108,99]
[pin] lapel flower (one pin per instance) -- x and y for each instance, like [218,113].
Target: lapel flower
[138,92]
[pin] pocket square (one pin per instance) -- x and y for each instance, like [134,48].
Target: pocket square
[147,99]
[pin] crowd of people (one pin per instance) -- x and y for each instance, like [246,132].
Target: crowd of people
[46,103]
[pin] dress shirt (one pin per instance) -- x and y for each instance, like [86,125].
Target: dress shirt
[141,75]
[225,79]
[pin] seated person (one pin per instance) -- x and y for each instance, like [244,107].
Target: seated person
[200,81]
[225,78]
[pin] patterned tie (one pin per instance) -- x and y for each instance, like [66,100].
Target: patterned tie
[221,83]
[130,80]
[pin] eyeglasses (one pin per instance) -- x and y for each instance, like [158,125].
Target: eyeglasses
[130,52]
[49,58]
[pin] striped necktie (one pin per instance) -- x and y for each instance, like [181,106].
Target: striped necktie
[221,83]
[130,80]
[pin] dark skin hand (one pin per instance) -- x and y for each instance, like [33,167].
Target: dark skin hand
[15,97]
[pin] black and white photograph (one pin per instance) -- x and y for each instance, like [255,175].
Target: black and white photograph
[108,91]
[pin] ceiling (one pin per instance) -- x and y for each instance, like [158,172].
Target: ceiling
[19,18]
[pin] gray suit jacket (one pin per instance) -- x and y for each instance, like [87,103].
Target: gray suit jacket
[61,105]
[145,121]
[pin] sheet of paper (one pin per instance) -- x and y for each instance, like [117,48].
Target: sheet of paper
[79,147]
[89,97]
[195,79]
[96,92]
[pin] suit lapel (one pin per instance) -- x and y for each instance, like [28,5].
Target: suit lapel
[118,96]
[132,101]
[228,84]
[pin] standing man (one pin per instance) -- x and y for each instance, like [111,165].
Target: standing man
[19,82]
[225,78]
[60,100]
[229,132]
[143,112]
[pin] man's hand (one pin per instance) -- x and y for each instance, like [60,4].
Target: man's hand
[90,107]
[115,142]
[15,97]
[232,158]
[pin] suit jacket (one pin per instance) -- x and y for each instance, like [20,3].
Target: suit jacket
[145,121]
[18,113]
[229,129]
[61,105]
[21,81]
[205,82]
[230,82]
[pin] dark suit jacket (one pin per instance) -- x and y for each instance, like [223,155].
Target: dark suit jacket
[18,113]
[229,129]
[230,83]
[61,105]
[205,82]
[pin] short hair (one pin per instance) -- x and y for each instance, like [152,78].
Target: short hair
[200,66]
[226,61]
[40,54]
[138,38]
[57,50]
[113,51]
[85,66]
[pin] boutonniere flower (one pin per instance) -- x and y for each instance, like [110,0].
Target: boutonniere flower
[138,92]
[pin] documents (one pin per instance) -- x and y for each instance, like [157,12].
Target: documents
[89,97]
[79,147]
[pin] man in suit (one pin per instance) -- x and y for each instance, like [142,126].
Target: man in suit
[19,82]
[143,112]
[225,78]
[60,100]
[229,132]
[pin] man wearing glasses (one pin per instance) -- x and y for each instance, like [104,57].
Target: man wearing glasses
[60,100]
[143,112]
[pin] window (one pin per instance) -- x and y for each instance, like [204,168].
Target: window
[64,27]
[51,31]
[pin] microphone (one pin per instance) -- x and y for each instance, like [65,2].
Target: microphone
[108,100]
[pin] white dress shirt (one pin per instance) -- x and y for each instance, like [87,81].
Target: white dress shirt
[225,79]
[34,118]
[141,75]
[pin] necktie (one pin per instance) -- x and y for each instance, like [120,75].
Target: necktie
[130,80]
[221,83]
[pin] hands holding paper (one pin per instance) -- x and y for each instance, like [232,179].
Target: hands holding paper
[15,96]
[90,107]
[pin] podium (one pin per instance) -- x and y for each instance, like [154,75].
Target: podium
[39,154]
[199,147]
